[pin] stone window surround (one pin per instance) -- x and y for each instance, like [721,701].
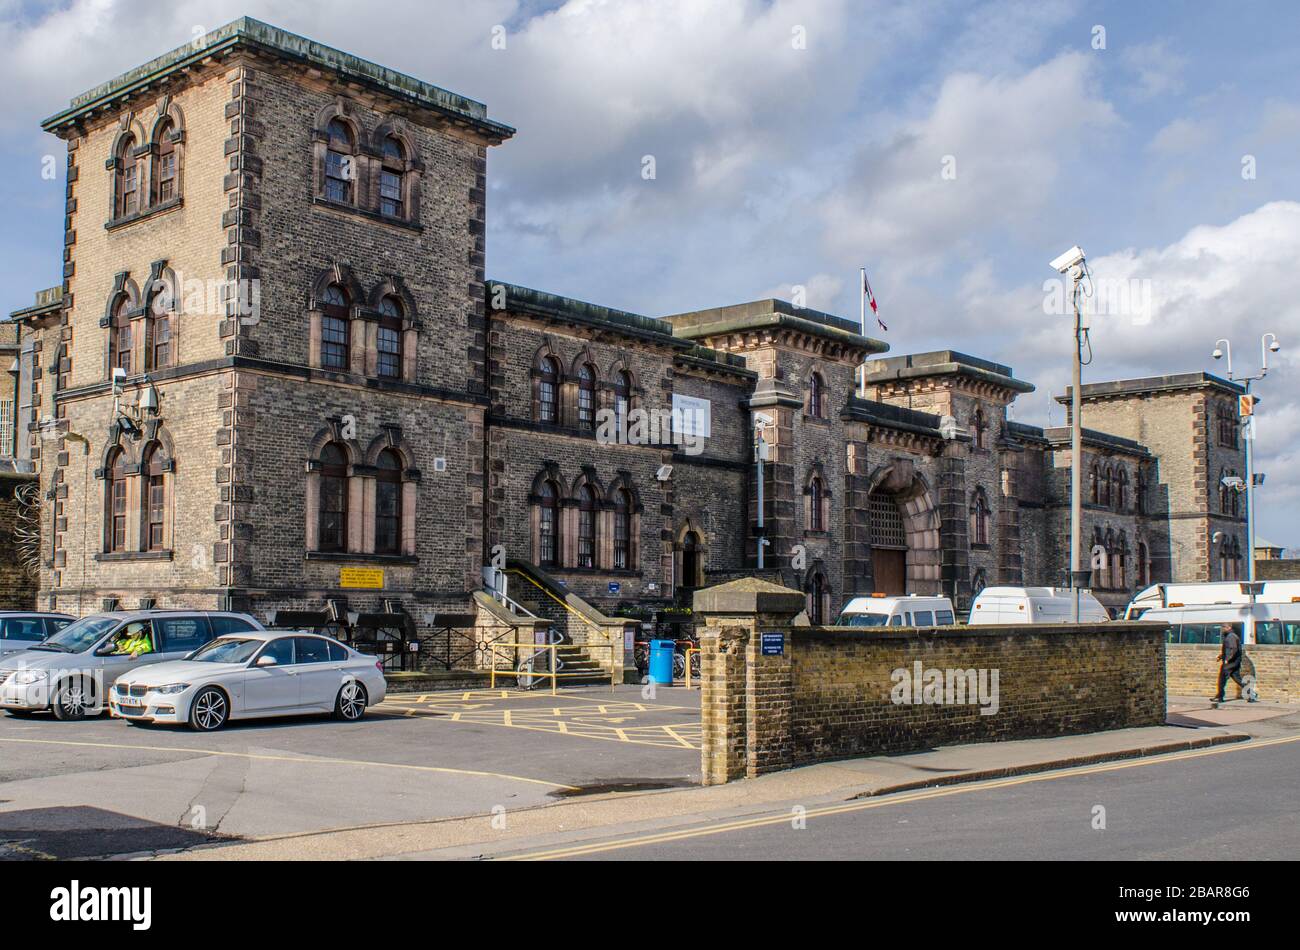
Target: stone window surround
[569,511]
[368,158]
[145,156]
[158,302]
[608,387]
[154,439]
[361,497]
[363,325]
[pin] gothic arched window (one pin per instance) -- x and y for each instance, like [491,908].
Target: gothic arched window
[332,531]
[340,162]
[388,503]
[548,388]
[335,327]
[389,338]
[548,524]
[392,174]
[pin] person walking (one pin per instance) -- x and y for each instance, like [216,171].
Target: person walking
[1230,656]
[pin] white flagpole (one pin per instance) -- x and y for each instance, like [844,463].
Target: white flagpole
[862,370]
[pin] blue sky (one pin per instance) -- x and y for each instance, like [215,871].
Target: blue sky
[782,164]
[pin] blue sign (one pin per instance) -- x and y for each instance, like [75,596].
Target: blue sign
[773,644]
[614,587]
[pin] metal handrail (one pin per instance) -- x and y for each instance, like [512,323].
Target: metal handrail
[689,651]
[554,673]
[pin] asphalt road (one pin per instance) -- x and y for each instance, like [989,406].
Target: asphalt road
[105,787]
[1234,803]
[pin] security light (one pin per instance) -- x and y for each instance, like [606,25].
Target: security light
[761,420]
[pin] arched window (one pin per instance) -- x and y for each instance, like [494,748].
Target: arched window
[1141,496]
[548,388]
[586,527]
[979,517]
[1094,486]
[390,338]
[120,335]
[1121,490]
[622,530]
[335,329]
[388,503]
[1106,482]
[340,162]
[816,397]
[1118,561]
[587,396]
[154,472]
[622,401]
[1143,565]
[118,503]
[817,599]
[816,499]
[126,179]
[980,425]
[391,174]
[164,173]
[332,534]
[548,525]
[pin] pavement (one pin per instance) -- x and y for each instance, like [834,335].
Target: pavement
[483,773]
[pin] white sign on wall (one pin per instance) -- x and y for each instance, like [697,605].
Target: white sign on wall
[691,417]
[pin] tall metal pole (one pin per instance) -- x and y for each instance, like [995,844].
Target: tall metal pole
[758,460]
[1248,431]
[862,325]
[1076,453]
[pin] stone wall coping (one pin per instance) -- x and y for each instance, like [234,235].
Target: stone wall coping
[748,595]
[979,630]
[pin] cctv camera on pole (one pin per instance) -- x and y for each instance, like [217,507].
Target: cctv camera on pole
[1072,263]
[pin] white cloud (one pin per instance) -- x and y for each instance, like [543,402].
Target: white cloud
[1235,280]
[1005,141]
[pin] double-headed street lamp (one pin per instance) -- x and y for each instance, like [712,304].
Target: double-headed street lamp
[1267,344]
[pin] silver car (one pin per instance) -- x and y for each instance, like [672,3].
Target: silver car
[22,630]
[70,671]
[250,676]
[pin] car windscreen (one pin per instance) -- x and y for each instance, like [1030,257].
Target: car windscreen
[79,636]
[864,620]
[227,650]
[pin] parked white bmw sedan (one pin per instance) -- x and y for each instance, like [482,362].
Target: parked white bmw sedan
[251,675]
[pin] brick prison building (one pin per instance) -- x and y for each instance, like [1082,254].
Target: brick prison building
[276,377]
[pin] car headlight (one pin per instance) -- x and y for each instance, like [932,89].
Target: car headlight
[28,677]
[171,688]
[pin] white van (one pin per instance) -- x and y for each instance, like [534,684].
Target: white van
[1034,605]
[880,610]
[1199,623]
[1212,592]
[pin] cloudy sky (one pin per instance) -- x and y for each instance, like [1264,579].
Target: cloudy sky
[953,148]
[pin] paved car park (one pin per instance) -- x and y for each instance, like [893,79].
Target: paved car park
[104,787]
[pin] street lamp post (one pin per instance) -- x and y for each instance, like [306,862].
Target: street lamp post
[1072,263]
[1267,344]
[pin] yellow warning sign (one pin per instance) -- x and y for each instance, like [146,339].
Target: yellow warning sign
[371,578]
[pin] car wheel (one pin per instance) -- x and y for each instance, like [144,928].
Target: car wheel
[351,702]
[72,701]
[210,710]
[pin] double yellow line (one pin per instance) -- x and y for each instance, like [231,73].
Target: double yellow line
[761,821]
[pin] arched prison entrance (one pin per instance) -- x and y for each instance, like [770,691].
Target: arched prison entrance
[905,551]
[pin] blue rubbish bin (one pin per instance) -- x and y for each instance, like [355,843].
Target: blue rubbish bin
[661,661]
